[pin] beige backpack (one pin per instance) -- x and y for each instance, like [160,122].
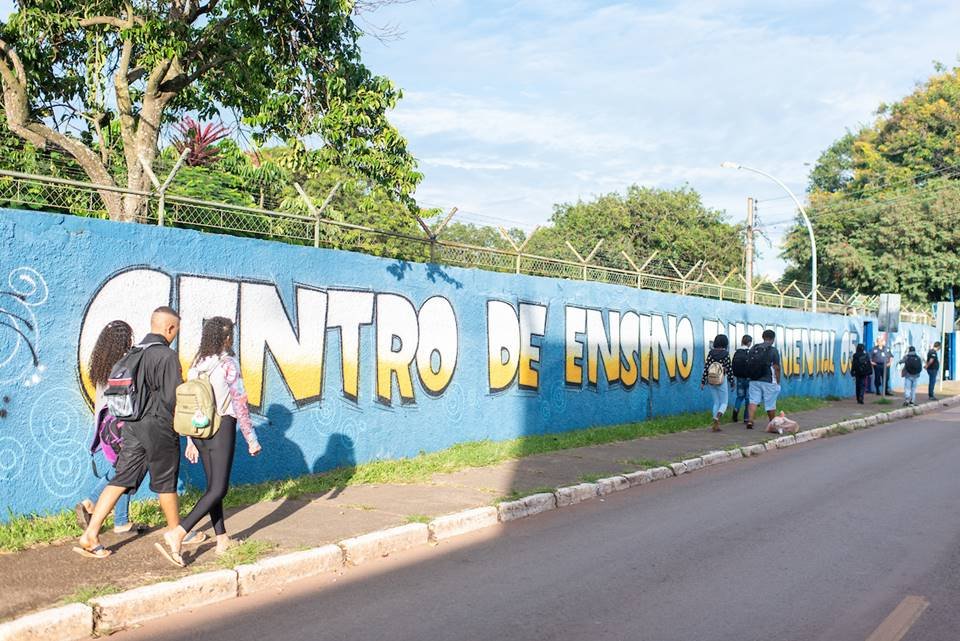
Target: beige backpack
[715,373]
[197,414]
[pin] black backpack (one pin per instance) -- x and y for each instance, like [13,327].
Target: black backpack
[126,393]
[758,361]
[740,363]
[912,364]
[861,364]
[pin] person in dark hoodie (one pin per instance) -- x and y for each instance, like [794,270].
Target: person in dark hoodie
[718,377]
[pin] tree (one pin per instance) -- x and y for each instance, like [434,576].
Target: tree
[116,72]
[481,236]
[884,201]
[673,222]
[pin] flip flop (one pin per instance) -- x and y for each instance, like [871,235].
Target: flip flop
[170,555]
[96,552]
[83,517]
[136,529]
[194,538]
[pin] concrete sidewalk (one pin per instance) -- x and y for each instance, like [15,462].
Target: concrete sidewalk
[42,577]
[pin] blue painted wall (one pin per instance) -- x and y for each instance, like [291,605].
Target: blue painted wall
[302,313]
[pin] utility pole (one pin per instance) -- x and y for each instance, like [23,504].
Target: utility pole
[748,253]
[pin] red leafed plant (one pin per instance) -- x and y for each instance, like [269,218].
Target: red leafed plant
[200,140]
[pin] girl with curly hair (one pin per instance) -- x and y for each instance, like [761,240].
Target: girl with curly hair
[115,340]
[217,361]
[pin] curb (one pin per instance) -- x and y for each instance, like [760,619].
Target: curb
[108,614]
[527,506]
[117,611]
[451,525]
[67,623]
[278,570]
[374,545]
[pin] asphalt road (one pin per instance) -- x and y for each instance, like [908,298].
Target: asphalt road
[821,541]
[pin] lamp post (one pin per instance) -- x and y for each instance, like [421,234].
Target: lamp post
[813,242]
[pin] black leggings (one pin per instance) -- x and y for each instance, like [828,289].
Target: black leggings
[216,453]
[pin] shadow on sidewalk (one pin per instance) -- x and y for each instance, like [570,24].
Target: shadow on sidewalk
[339,453]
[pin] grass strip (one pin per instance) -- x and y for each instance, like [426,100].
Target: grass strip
[21,532]
[86,593]
[244,553]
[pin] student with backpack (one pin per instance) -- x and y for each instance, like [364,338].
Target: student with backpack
[141,391]
[211,406]
[739,367]
[114,341]
[718,375]
[912,366]
[861,369]
[763,367]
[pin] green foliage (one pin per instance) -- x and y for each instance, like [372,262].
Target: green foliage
[477,236]
[245,553]
[643,220]
[117,72]
[884,201]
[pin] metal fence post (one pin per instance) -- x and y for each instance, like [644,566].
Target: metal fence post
[585,261]
[162,188]
[316,213]
[517,248]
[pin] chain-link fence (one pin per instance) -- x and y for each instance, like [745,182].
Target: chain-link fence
[76,197]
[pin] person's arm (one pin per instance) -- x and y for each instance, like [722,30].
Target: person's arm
[238,397]
[706,366]
[170,377]
[775,363]
[191,453]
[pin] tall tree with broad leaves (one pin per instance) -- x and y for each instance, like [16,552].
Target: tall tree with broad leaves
[673,222]
[884,201]
[99,79]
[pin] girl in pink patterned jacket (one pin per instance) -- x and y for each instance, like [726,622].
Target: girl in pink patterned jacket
[216,359]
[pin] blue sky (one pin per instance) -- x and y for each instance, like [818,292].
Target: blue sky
[512,106]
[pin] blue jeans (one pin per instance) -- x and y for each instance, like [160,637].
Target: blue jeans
[932,373]
[910,388]
[743,394]
[121,512]
[719,395]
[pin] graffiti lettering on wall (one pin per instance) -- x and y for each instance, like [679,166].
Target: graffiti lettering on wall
[803,351]
[618,347]
[419,341]
[408,340]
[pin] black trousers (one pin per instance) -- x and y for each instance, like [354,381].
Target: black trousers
[216,453]
[861,382]
[880,378]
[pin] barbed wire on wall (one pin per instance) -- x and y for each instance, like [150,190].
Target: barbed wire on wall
[78,197]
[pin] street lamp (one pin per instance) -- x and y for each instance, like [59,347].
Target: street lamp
[813,242]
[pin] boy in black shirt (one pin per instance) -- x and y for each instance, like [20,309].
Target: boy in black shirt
[149,444]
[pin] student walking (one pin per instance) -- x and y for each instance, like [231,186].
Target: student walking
[739,367]
[861,370]
[933,369]
[718,376]
[147,392]
[763,365]
[114,341]
[912,366]
[216,361]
